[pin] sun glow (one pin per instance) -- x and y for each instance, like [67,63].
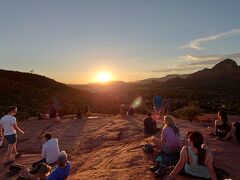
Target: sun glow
[104,77]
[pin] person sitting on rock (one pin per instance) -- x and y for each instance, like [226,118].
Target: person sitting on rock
[53,113]
[79,114]
[86,110]
[122,110]
[41,174]
[50,151]
[62,170]
[42,116]
[150,125]
[195,160]
[169,141]
[130,111]
[221,126]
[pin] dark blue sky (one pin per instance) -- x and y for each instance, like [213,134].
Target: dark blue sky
[72,40]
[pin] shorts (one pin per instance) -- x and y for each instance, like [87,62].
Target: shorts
[11,139]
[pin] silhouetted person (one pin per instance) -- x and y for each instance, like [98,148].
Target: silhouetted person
[122,110]
[79,113]
[86,110]
[53,113]
[150,125]
[130,111]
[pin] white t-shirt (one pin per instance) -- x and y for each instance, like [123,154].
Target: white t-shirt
[50,150]
[7,123]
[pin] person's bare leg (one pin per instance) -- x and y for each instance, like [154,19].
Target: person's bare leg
[15,149]
[9,151]
[156,141]
[211,130]
[230,133]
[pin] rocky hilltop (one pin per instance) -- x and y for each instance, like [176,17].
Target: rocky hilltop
[226,69]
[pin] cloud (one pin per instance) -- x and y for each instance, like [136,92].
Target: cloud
[179,68]
[196,44]
[208,59]
[196,62]
[198,58]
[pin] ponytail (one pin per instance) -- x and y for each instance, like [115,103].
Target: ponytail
[197,139]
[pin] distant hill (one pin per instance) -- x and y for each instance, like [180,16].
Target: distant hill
[163,79]
[226,69]
[223,73]
[34,93]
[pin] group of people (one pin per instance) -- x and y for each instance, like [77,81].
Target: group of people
[84,113]
[50,156]
[53,114]
[195,159]
[161,106]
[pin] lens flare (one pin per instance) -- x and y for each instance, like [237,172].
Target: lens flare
[137,102]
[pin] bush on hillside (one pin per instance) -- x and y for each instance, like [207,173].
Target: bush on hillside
[188,112]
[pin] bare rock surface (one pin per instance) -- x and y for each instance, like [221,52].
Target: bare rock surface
[109,147]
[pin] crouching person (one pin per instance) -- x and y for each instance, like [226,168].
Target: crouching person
[62,170]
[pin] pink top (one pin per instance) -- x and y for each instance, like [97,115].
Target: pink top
[169,138]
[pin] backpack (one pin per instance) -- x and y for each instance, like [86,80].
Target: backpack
[168,159]
[148,148]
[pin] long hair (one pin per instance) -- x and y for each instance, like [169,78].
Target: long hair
[223,116]
[197,138]
[169,121]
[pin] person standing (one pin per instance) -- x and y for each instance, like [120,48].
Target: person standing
[9,124]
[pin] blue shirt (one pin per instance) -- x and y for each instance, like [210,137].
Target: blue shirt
[59,173]
[157,101]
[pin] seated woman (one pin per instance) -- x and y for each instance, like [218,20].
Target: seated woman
[169,141]
[195,160]
[221,126]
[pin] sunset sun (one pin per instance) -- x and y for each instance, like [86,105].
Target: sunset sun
[104,77]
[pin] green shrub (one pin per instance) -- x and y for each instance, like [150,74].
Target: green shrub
[188,112]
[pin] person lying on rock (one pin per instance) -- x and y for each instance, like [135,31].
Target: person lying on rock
[169,141]
[195,160]
[50,151]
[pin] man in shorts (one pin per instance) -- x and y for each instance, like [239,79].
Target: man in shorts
[9,124]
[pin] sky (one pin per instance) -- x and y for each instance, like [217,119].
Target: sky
[72,41]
